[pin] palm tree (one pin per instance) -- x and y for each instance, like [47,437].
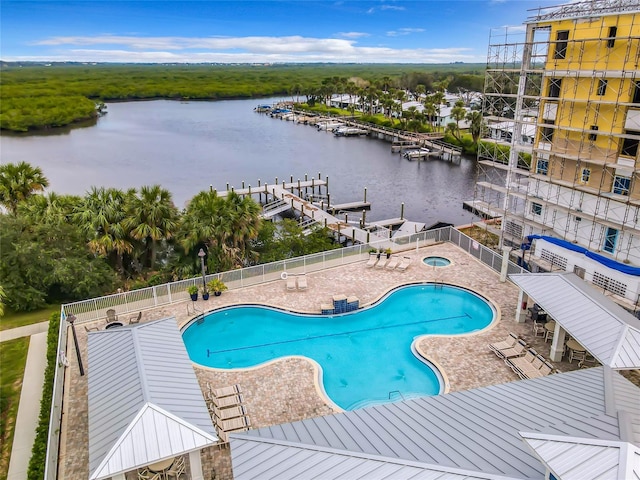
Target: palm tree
[151,217]
[474,117]
[49,209]
[18,182]
[101,216]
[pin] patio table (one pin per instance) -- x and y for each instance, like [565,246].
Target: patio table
[161,466]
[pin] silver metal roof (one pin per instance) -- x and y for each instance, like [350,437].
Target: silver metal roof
[607,331]
[586,459]
[262,458]
[145,403]
[475,430]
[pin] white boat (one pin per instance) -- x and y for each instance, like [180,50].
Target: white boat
[329,125]
[417,154]
[349,131]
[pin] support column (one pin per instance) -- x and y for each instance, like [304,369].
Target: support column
[505,263]
[557,344]
[521,311]
[195,464]
[119,476]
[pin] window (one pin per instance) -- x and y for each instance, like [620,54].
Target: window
[542,166]
[610,239]
[602,86]
[536,208]
[593,136]
[611,41]
[586,175]
[630,145]
[635,98]
[546,133]
[621,185]
[561,44]
[555,85]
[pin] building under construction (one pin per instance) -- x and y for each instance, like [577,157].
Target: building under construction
[559,161]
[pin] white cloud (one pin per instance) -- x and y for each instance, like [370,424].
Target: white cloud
[385,7]
[404,31]
[353,34]
[114,48]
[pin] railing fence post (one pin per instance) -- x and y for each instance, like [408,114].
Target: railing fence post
[155,297]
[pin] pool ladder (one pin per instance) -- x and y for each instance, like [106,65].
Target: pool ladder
[396,391]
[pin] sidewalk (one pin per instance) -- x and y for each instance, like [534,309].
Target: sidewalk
[29,408]
[25,331]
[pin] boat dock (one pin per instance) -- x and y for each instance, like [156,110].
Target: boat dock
[482,209]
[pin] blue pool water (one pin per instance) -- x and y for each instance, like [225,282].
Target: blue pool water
[366,356]
[436,261]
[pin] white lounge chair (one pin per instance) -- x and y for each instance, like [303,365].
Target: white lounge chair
[392,263]
[291,283]
[404,264]
[373,258]
[302,282]
[382,262]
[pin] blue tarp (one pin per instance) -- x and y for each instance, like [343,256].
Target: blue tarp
[608,262]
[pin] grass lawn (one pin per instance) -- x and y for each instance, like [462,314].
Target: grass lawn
[20,319]
[13,356]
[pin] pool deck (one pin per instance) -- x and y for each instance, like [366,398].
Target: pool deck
[286,390]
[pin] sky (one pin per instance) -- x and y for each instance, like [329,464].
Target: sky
[266,31]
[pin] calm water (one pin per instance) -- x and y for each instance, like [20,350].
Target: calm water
[364,355]
[187,146]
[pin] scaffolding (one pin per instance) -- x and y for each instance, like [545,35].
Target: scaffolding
[559,154]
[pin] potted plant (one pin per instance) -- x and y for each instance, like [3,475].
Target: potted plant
[217,286]
[388,252]
[193,291]
[205,293]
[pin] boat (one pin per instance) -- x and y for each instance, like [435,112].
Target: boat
[417,153]
[349,131]
[329,125]
[262,108]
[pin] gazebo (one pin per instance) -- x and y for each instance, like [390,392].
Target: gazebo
[604,328]
[145,403]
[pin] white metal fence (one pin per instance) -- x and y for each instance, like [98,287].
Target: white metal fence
[137,300]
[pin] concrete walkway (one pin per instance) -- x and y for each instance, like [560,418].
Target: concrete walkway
[29,408]
[25,331]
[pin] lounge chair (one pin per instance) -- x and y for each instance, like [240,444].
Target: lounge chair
[231,412]
[381,263]
[373,258]
[291,283]
[517,350]
[525,365]
[91,329]
[510,342]
[392,263]
[111,316]
[177,468]
[226,402]
[404,264]
[302,282]
[233,424]
[135,319]
[226,391]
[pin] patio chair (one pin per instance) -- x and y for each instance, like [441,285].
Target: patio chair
[91,329]
[392,263]
[373,258]
[510,342]
[518,350]
[238,424]
[226,391]
[291,283]
[538,329]
[178,468]
[381,263]
[302,282]
[111,316]
[135,319]
[226,402]
[525,366]
[145,474]
[231,412]
[404,264]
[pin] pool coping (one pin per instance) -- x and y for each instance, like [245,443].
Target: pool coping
[415,344]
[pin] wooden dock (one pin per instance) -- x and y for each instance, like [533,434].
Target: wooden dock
[349,207]
[481,209]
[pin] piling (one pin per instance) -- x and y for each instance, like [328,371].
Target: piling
[402,211]
[365,194]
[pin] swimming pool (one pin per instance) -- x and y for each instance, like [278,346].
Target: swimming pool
[366,356]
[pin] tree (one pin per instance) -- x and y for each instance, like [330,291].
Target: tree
[101,217]
[18,182]
[151,217]
[476,123]
[458,113]
[3,297]
[50,208]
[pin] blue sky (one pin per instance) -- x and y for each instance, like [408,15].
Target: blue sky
[366,31]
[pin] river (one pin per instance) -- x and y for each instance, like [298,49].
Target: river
[188,146]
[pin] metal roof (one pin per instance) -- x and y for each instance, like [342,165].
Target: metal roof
[262,458]
[586,459]
[145,403]
[605,329]
[474,430]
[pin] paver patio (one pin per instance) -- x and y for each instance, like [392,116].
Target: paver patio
[286,390]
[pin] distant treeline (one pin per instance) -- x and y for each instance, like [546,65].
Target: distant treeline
[37,96]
